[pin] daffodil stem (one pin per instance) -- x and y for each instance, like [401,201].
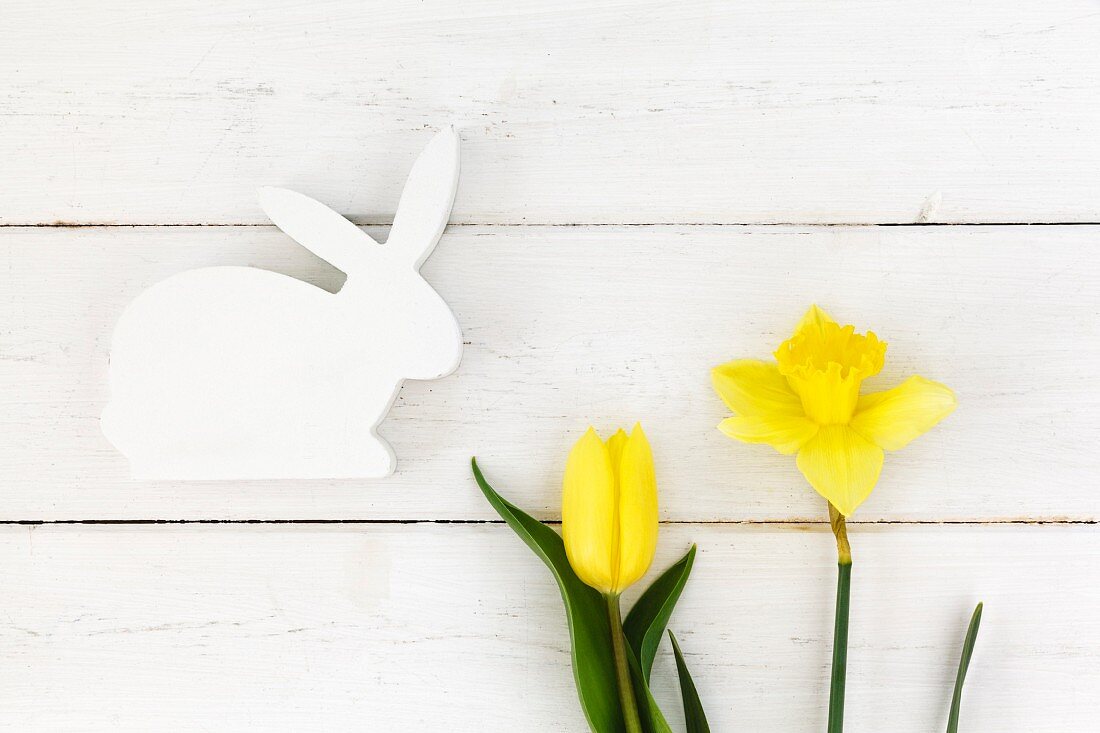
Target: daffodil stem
[840,530]
[840,624]
[622,667]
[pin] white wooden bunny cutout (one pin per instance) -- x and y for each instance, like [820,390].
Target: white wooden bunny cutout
[242,373]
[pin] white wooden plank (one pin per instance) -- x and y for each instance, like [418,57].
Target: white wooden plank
[567,326]
[571,112]
[428,627]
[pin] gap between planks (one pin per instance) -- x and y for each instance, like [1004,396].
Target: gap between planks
[579,225]
[718,522]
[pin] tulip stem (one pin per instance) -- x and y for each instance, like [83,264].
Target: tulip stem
[622,668]
[840,624]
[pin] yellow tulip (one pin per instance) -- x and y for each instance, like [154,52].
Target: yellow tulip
[809,403]
[609,509]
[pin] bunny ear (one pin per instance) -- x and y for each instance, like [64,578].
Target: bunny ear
[318,228]
[425,204]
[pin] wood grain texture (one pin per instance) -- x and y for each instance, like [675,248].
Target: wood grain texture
[432,628]
[615,116]
[600,111]
[571,325]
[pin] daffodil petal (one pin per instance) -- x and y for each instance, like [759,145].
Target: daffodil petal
[893,418]
[589,509]
[815,319]
[751,387]
[841,465]
[785,433]
[637,510]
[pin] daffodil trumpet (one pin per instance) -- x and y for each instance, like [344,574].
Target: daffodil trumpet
[808,404]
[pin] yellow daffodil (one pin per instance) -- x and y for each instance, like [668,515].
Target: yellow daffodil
[609,509]
[808,403]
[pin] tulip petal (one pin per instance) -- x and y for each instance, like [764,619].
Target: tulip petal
[754,388]
[893,418]
[784,433]
[841,465]
[615,445]
[590,524]
[637,510]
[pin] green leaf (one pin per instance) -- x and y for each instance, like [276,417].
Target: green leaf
[653,720]
[585,609]
[645,624]
[643,628]
[964,664]
[693,708]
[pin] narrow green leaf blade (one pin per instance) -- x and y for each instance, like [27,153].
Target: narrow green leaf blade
[645,624]
[693,707]
[653,720]
[964,664]
[589,627]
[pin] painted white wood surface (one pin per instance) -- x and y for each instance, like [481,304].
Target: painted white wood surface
[567,325]
[599,111]
[438,628]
